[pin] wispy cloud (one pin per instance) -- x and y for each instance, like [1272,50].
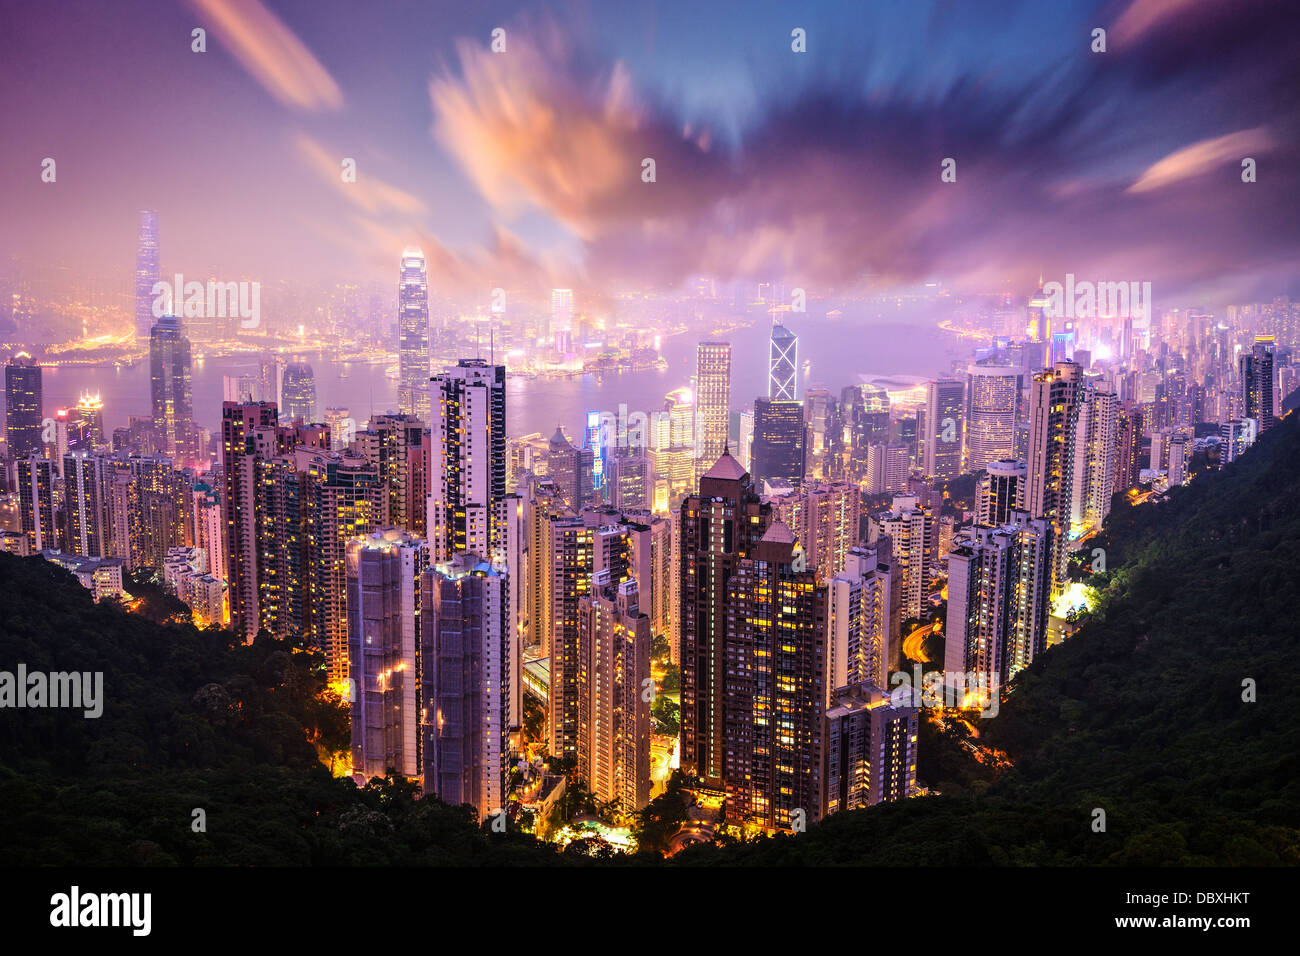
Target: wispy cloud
[272,54]
[1200,158]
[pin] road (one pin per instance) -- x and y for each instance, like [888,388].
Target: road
[913,643]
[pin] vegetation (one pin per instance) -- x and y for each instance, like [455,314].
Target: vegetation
[1172,709]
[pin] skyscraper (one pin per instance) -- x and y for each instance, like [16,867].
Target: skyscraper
[860,615]
[992,410]
[170,388]
[299,393]
[783,365]
[773,687]
[468,471]
[870,748]
[147,272]
[1000,492]
[561,317]
[780,441]
[24,406]
[720,526]
[614,637]
[911,529]
[1257,381]
[85,509]
[1053,448]
[413,335]
[464,682]
[36,512]
[384,571]
[941,438]
[712,399]
[999,598]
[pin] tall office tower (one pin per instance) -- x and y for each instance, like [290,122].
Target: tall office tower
[468,468]
[1180,454]
[672,440]
[515,561]
[86,511]
[650,561]
[563,468]
[712,401]
[999,599]
[342,498]
[860,616]
[464,681]
[614,638]
[824,516]
[1053,447]
[870,748]
[160,503]
[299,393]
[419,478]
[941,438]
[570,563]
[745,440]
[1128,448]
[999,492]
[1257,382]
[630,481]
[413,336]
[888,468]
[147,272]
[561,314]
[210,529]
[387,444]
[342,428]
[783,365]
[24,407]
[720,526]
[992,410]
[1236,436]
[780,441]
[542,506]
[774,690]
[239,423]
[384,571]
[1094,458]
[911,529]
[36,512]
[170,388]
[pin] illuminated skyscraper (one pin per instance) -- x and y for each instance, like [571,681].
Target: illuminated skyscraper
[1054,409]
[911,530]
[24,407]
[170,388]
[614,639]
[773,687]
[992,408]
[464,682]
[36,513]
[147,272]
[468,468]
[860,616]
[712,398]
[783,365]
[561,314]
[720,526]
[1000,492]
[85,509]
[413,336]
[780,441]
[941,438]
[870,748]
[384,570]
[1257,383]
[299,393]
[999,598]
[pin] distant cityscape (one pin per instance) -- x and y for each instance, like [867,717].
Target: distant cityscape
[723,598]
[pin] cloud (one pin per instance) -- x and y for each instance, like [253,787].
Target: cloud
[272,54]
[1201,157]
[827,185]
[368,192]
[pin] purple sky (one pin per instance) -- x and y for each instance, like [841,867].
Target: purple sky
[522,169]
